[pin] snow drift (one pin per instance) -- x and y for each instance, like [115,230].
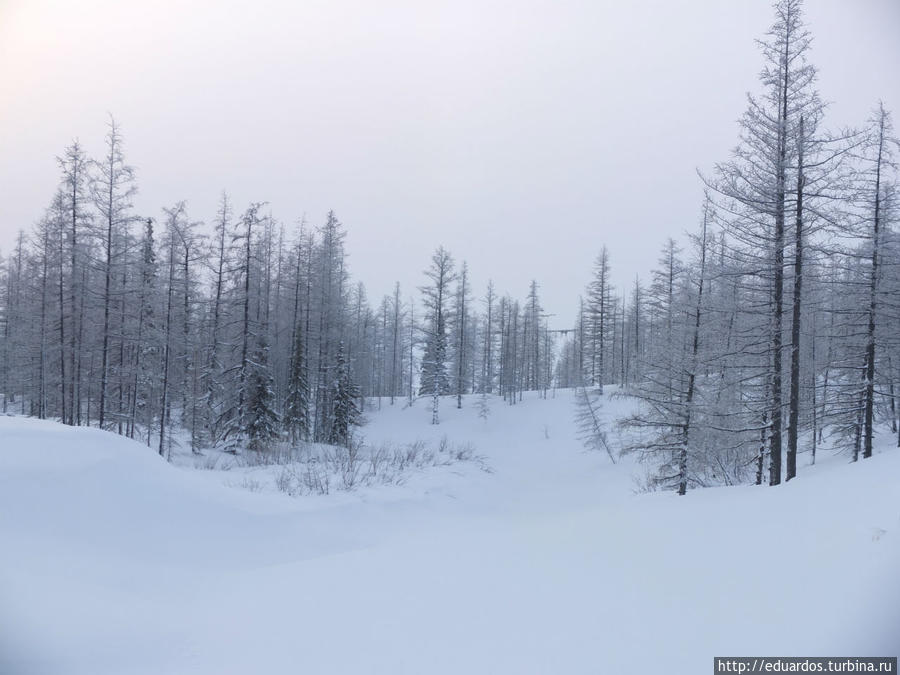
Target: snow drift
[116,562]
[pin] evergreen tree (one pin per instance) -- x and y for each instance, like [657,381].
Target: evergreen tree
[261,421]
[435,380]
[345,413]
[296,411]
[146,337]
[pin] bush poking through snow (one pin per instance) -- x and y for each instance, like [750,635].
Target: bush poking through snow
[484,407]
[317,469]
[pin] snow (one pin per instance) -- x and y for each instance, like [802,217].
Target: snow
[114,561]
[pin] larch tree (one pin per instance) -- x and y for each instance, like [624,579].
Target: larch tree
[597,311]
[219,255]
[461,326]
[75,199]
[755,187]
[877,194]
[112,190]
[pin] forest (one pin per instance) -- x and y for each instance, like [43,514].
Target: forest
[769,331]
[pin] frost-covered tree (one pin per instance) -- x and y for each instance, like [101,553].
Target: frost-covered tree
[345,415]
[296,410]
[145,352]
[589,420]
[756,192]
[112,189]
[666,424]
[597,311]
[330,316]
[864,314]
[296,417]
[436,297]
[461,338]
[879,197]
[261,420]
[218,256]
[487,341]
[76,219]
[180,244]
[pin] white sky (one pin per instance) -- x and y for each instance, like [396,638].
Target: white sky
[522,135]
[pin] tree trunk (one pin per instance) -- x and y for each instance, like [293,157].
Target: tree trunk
[794,408]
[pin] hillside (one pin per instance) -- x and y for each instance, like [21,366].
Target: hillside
[115,561]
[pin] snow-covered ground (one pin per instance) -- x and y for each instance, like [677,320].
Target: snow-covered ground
[114,561]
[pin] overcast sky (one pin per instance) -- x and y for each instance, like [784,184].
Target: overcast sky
[520,135]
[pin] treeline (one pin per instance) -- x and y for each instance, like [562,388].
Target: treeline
[778,328]
[235,334]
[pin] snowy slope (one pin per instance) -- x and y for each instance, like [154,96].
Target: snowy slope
[114,561]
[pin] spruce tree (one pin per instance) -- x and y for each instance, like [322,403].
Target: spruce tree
[296,410]
[345,413]
[435,380]
[261,420]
